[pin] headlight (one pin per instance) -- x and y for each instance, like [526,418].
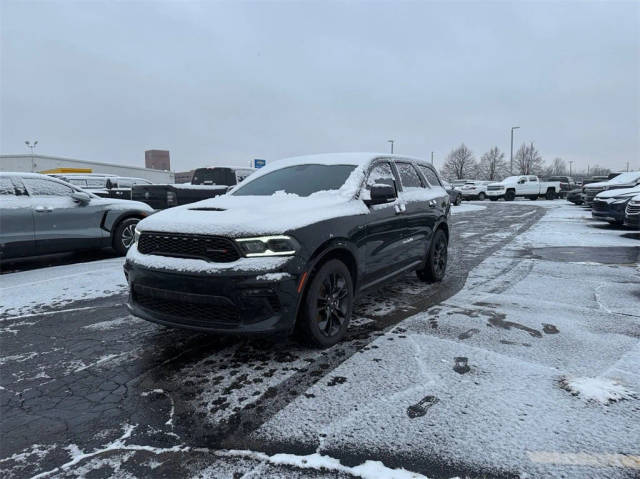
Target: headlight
[136,235]
[268,246]
[619,201]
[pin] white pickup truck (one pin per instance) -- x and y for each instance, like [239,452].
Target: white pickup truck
[528,186]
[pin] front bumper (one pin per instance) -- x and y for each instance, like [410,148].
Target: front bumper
[613,213]
[224,302]
[632,221]
[495,193]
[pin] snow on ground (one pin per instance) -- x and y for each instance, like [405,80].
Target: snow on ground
[47,288]
[497,379]
[466,208]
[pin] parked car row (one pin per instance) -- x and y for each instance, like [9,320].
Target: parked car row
[616,200]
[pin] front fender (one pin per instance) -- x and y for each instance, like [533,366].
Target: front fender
[112,217]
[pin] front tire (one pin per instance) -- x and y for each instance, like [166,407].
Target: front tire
[551,195]
[124,234]
[510,195]
[482,196]
[326,310]
[436,264]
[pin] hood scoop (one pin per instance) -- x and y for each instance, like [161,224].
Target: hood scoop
[207,208]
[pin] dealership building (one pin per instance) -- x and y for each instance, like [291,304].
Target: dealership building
[53,164]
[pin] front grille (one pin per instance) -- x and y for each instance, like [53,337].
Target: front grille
[494,188]
[210,248]
[633,209]
[201,311]
[600,205]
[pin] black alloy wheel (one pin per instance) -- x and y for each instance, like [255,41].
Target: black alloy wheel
[327,306]
[436,262]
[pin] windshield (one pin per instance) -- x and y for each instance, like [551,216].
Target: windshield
[301,180]
[625,178]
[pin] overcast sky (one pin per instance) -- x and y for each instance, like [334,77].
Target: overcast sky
[227,82]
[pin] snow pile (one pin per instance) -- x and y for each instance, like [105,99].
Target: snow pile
[366,470]
[602,390]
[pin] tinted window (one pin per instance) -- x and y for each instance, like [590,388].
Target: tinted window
[214,176]
[6,187]
[408,176]
[301,180]
[381,173]
[430,175]
[41,187]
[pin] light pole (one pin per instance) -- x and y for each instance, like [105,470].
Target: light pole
[32,146]
[570,164]
[511,167]
[391,141]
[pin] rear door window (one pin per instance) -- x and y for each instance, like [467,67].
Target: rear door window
[408,176]
[430,175]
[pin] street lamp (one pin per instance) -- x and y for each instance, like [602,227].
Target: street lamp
[32,146]
[511,167]
[391,141]
[570,164]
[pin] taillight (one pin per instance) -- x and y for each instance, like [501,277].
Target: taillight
[172,200]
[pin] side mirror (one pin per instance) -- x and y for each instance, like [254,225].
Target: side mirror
[81,198]
[381,194]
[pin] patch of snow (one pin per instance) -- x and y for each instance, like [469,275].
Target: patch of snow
[273,276]
[602,390]
[28,292]
[367,470]
[466,208]
[199,265]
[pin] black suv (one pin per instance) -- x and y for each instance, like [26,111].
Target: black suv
[291,247]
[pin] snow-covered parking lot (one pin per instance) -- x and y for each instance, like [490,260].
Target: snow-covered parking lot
[524,362]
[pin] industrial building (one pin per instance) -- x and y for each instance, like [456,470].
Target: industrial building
[53,164]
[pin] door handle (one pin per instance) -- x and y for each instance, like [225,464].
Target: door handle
[432,203]
[43,209]
[400,208]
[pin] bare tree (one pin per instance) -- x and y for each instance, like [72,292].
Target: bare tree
[492,165]
[597,170]
[528,160]
[558,167]
[460,164]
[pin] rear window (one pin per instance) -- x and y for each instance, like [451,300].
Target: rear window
[408,176]
[214,176]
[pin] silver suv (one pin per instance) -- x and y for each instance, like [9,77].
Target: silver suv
[41,215]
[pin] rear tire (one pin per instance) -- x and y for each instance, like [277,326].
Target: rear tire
[550,195]
[482,196]
[436,263]
[326,309]
[123,235]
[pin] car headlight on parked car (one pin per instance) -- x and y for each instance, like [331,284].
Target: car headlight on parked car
[268,246]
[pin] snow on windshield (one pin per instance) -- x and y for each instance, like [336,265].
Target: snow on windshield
[627,177]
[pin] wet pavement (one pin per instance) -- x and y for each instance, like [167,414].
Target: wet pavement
[92,390]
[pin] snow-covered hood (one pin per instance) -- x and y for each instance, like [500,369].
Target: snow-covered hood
[619,192]
[238,216]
